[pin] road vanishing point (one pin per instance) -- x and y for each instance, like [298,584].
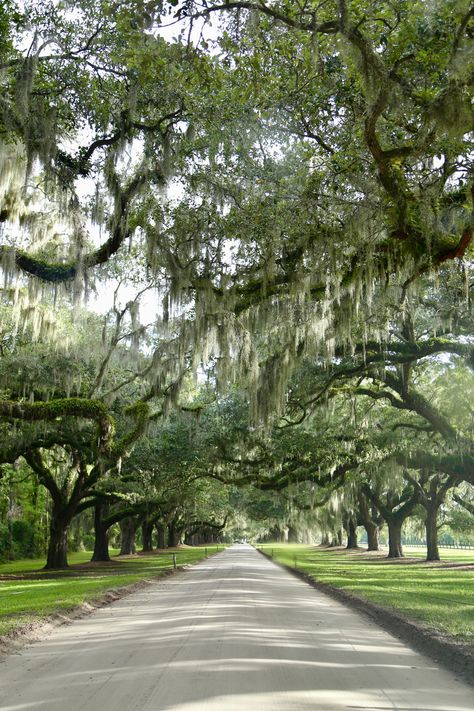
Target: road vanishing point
[233,633]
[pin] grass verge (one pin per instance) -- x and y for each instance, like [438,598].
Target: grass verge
[439,595]
[29,595]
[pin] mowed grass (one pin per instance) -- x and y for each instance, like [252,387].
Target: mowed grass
[438,594]
[28,594]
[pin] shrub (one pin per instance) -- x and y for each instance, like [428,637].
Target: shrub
[23,536]
[5,543]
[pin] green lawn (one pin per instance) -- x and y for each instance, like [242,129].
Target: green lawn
[28,593]
[441,594]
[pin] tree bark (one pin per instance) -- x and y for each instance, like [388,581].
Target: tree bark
[101,541]
[367,520]
[127,542]
[351,531]
[395,549]
[432,550]
[173,535]
[161,535]
[147,531]
[372,536]
[35,544]
[57,545]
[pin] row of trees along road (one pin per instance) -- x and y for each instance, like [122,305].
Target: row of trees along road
[293,185]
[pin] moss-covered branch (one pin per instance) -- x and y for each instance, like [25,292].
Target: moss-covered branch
[60,409]
[34,459]
[460,466]
[328,27]
[54,272]
[465,504]
[140,411]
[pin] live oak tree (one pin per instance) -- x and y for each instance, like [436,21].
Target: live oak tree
[432,488]
[69,439]
[70,460]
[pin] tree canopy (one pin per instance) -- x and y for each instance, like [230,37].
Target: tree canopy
[286,190]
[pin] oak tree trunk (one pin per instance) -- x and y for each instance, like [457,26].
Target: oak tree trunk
[147,531]
[372,536]
[101,540]
[57,545]
[127,538]
[432,550]
[395,549]
[351,531]
[161,535]
[173,536]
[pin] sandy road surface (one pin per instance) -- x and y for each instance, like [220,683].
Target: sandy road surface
[234,633]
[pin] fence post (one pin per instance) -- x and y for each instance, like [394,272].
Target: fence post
[205,551]
[174,561]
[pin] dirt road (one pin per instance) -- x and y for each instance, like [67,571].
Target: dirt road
[234,633]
